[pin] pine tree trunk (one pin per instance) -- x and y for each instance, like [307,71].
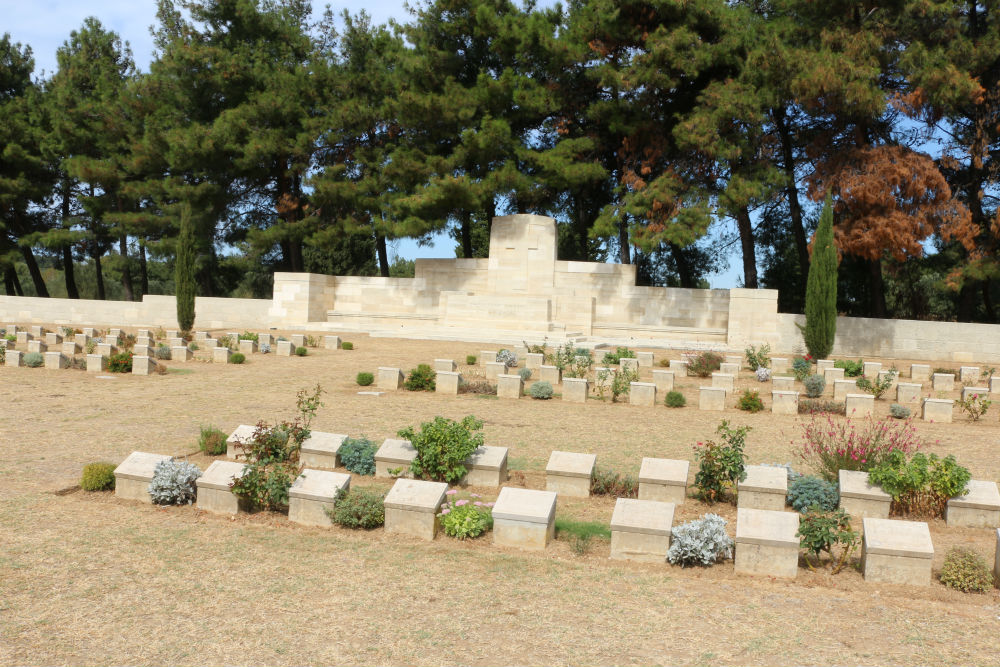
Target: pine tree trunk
[491,212]
[624,254]
[143,271]
[684,269]
[11,283]
[877,286]
[126,269]
[99,273]
[966,301]
[33,270]
[749,253]
[383,255]
[582,236]
[466,236]
[991,315]
[71,290]
[792,191]
[295,248]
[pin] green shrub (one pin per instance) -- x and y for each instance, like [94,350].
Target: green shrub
[193,347]
[700,542]
[898,411]
[347,345]
[358,455]
[617,380]
[829,446]
[421,378]
[975,405]
[301,351]
[611,483]
[809,491]
[722,465]
[98,477]
[758,358]
[120,363]
[921,485]
[966,571]
[442,447]
[237,358]
[852,369]
[525,374]
[705,364]
[470,360]
[541,390]
[212,441]
[174,483]
[465,515]
[33,359]
[225,341]
[163,353]
[750,401]
[878,386]
[821,531]
[246,335]
[674,399]
[613,358]
[815,384]
[801,368]
[359,508]
[11,338]
[364,379]
[312,341]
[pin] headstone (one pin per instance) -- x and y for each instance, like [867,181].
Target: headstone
[143,351]
[550,374]
[487,357]
[53,339]
[89,332]
[766,542]
[510,386]
[171,333]
[640,530]
[394,455]
[968,374]
[920,372]
[782,382]
[81,340]
[242,435]
[446,383]
[570,473]
[534,360]
[882,375]
[978,508]
[779,365]
[264,339]
[629,363]
[180,353]
[524,518]
[575,390]
[723,381]
[106,349]
[285,348]
[144,341]
[859,405]
[860,498]
[871,369]
[38,346]
[313,493]
[36,331]
[681,367]
[390,379]
[133,475]
[907,392]
[209,344]
[841,388]
[711,398]
[995,385]
[70,348]
[113,334]
[664,480]
[15,358]
[832,375]
[664,381]
[642,393]
[176,342]
[298,340]
[979,392]
[143,365]
[896,552]
[822,365]
[765,488]
[645,359]
[214,492]
[143,333]
[494,369]
[55,361]
[486,466]
[96,363]
[729,368]
[785,402]
[943,382]
[736,359]
[331,342]
[321,450]
[248,347]
[220,355]
[446,365]
[412,506]
[937,410]
[23,337]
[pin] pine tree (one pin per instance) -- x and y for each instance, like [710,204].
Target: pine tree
[821,289]
[184,279]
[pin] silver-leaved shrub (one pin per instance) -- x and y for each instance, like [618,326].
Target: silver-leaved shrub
[700,542]
[174,482]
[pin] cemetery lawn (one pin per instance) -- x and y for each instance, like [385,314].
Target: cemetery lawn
[86,578]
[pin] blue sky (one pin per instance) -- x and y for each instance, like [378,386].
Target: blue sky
[46,24]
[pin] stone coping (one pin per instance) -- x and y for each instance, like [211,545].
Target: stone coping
[891,537]
[855,484]
[221,474]
[528,505]
[571,464]
[767,527]
[396,451]
[670,472]
[486,457]
[321,485]
[651,517]
[416,495]
[320,442]
[982,495]
[242,434]
[140,465]
[765,479]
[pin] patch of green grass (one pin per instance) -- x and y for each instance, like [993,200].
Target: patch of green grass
[524,463]
[180,371]
[585,529]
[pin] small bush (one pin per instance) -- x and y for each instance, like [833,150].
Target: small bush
[91,346]
[878,386]
[359,508]
[966,571]
[505,356]
[705,364]
[98,477]
[613,358]
[225,341]
[810,491]
[525,374]
[674,399]
[815,384]
[120,363]
[975,405]
[358,455]
[816,406]
[721,466]
[700,542]
[763,374]
[442,447]
[163,353]
[541,390]
[898,411]
[477,385]
[237,358]
[466,516]
[301,351]
[618,380]
[611,483]
[921,485]
[852,369]
[212,441]
[758,358]
[750,401]
[821,531]
[312,341]
[193,347]
[801,368]
[364,379]
[830,446]
[174,483]
[264,348]
[421,378]
[33,359]
[347,345]
[470,360]
[246,335]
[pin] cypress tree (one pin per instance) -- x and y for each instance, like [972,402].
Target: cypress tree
[184,277]
[821,289]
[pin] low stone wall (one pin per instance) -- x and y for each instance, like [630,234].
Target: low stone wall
[154,311]
[900,339]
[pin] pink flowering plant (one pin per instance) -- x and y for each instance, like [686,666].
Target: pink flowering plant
[830,446]
[465,515]
[975,405]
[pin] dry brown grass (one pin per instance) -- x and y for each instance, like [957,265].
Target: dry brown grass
[88,579]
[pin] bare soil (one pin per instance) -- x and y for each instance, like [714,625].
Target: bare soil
[86,578]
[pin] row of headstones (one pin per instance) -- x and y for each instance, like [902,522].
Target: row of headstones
[766,542]
[283,348]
